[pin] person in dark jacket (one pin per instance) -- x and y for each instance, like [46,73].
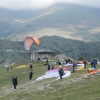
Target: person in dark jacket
[15,82]
[85,64]
[91,64]
[94,64]
[74,65]
[46,61]
[7,69]
[49,66]
[31,66]
[59,63]
[61,72]
[30,75]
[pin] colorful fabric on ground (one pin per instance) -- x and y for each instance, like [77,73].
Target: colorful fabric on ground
[23,66]
[54,73]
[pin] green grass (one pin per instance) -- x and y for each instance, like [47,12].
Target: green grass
[75,87]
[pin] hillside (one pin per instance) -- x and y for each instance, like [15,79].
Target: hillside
[70,47]
[15,52]
[12,52]
[75,87]
[64,20]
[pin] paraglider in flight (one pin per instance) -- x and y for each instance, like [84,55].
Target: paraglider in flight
[29,41]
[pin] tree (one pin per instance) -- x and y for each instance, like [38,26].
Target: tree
[81,58]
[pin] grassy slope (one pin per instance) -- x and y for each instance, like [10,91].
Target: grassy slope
[75,87]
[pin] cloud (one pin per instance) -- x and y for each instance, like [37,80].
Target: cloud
[38,4]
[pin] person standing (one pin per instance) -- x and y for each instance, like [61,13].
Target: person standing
[57,61]
[66,61]
[61,72]
[85,64]
[74,65]
[91,64]
[47,61]
[7,69]
[15,82]
[48,66]
[30,75]
[94,64]
[31,66]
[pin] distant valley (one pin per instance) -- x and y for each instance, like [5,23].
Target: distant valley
[68,21]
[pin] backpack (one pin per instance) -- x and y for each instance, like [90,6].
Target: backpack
[61,71]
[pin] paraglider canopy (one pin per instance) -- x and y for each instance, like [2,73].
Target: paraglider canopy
[29,41]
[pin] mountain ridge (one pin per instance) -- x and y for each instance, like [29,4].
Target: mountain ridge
[65,20]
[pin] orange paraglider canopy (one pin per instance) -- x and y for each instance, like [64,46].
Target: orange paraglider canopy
[29,41]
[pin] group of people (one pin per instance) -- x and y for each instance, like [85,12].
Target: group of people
[61,71]
[31,73]
[93,64]
[15,81]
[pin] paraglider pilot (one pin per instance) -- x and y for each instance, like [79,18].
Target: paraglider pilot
[30,75]
[14,81]
[61,72]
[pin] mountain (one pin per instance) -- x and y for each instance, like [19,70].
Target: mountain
[64,20]
[71,48]
[14,52]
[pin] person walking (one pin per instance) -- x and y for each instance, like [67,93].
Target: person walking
[15,82]
[61,72]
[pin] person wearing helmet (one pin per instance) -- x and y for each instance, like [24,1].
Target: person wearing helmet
[61,72]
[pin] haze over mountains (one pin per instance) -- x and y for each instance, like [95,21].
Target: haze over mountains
[64,20]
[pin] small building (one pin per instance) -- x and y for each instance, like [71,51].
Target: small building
[42,54]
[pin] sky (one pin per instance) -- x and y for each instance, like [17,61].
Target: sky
[39,4]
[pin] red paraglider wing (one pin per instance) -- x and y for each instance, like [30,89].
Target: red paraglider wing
[29,41]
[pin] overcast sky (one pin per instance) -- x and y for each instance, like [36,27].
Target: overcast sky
[38,4]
